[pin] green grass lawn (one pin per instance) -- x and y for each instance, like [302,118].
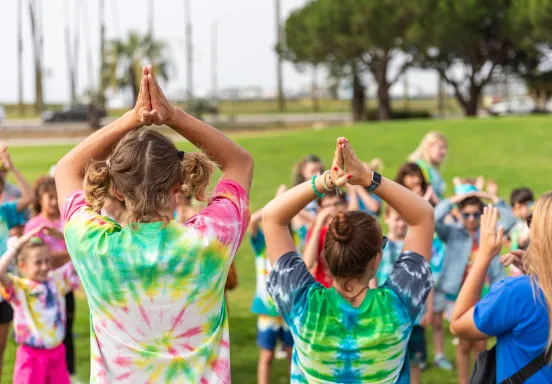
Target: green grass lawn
[514,151]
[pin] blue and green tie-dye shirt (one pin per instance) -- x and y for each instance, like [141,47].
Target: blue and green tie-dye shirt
[338,343]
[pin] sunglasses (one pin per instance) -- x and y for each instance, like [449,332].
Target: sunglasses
[384,242]
[475,215]
[529,220]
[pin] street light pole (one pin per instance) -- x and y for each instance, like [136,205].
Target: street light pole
[189,50]
[279,74]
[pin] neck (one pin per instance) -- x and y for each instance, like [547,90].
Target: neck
[354,291]
[50,217]
[394,237]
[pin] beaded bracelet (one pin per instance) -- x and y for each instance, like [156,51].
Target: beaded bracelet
[324,181]
[318,194]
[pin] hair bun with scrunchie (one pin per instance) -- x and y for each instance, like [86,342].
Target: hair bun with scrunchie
[341,228]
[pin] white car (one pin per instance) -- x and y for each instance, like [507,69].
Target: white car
[2,114]
[515,106]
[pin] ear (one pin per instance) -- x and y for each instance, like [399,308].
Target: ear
[118,194]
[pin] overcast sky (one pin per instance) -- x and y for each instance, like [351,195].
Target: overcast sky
[246,35]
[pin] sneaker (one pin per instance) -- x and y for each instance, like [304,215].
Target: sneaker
[443,363]
[423,365]
[280,353]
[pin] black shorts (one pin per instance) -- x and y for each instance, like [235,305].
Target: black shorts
[417,351]
[6,313]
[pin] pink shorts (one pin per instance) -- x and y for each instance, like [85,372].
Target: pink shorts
[40,366]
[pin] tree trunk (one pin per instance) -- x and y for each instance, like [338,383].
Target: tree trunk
[102,85]
[39,100]
[384,103]
[279,63]
[20,58]
[358,102]
[132,79]
[314,91]
[471,106]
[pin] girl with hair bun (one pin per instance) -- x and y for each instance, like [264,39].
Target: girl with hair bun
[155,287]
[348,332]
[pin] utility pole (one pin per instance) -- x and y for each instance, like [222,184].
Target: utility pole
[214,61]
[101,88]
[189,51]
[150,18]
[20,57]
[279,75]
[89,63]
[406,98]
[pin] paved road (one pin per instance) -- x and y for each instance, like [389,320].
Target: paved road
[303,118]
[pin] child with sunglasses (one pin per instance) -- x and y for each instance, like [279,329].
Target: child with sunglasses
[462,246]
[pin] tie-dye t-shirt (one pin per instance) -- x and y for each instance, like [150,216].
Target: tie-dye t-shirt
[39,307]
[390,255]
[54,244]
[156,292]
[338,343]
[262,302]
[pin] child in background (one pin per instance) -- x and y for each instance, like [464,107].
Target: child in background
[329,206]
[38,302]
[367,202]
[307,167]
[410,175]
[462,242]
[430,155]
[396,234]
[522,201]
[47,215]
[271,328]
[12,215]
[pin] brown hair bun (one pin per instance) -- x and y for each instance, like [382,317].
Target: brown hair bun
[341,228]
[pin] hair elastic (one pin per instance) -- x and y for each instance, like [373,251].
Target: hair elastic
[180,155]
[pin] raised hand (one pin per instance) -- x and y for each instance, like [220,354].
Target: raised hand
[29,235]
[281,189]
[357,173]
[142,109]
[480,183]
[492,187]
[514,258]
[490,238]
[162,111]
[5,156]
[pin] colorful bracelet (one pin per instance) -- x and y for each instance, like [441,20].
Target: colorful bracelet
[318,194]
[324,181]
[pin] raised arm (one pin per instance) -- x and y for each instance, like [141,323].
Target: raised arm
[70,169]
[9,256]
[26,191]
[312,248]
[279,212]
[462,321]
[417,212]
[255,223]
[234,161]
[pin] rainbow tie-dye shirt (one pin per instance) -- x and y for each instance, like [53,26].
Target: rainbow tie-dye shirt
[338,343]
[39,316]
[156,292]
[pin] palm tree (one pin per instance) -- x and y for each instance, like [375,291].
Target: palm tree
[37,39]
[124,59]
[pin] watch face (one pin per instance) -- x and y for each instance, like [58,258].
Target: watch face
[376,178]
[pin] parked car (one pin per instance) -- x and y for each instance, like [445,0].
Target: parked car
[78,112]
[515,106]
[2,114]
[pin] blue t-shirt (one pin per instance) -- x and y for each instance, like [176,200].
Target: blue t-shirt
[520,322]
[362,207]
[9,218]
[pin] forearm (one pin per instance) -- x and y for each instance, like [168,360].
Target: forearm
[310,254]
[411,207]
[442,210]
[5,261]
[255,222]
[96,146]
[60,258]
[353,199]
[372,204]
[26,190]
[214,143]
[471,289]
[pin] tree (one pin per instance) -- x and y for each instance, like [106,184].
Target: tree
[359,36]
[37,39]
[124,60]
[478,37]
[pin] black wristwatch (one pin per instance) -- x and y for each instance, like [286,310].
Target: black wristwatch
[376,181]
